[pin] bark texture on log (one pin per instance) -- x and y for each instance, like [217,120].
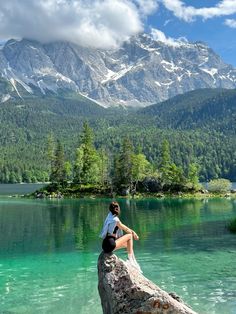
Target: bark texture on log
[123,290]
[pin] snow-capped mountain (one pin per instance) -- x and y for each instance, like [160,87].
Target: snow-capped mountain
[141,72]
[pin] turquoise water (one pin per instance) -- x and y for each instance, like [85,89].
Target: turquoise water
[49,251]
[19,188]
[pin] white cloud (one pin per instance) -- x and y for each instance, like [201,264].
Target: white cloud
[167,22]
[231,23]
[160,36]
[97,23]
[188,13]
[147,6]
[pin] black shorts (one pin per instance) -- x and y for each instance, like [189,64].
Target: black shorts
[108,244]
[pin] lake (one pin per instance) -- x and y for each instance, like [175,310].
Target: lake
[49,251]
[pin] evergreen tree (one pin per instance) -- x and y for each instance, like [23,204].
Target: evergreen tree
[165,165]
[103,166]
[140,168]
[176,178]
[68,171]
[193,176]
[78,166]
[58,174]
[87,165]
[50,152]
[123,166]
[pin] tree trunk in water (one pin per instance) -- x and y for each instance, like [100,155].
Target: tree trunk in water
[123,290]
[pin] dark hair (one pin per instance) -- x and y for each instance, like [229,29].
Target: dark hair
[114,208]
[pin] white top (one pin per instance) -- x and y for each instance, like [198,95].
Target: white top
[109,226]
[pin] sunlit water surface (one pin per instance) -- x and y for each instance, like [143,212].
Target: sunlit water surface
[49,251]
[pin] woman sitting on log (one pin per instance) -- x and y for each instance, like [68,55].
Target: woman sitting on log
[112,235]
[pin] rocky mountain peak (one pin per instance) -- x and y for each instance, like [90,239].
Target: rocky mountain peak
[140,72]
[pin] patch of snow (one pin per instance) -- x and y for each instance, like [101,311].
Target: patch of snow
[41,85]
[93,100]
[33,48]
[109,75]
[205,60]
[231,78]
[63,78]
[5,98]
[179,78]
[51,72]
[189,73]
[26,87]
[119,74]
[12,81]
[147,48]
[211,71]
[170,66]
[45,71]
[167,84]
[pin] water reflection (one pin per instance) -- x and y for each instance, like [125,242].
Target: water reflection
[67,225]
[49,251]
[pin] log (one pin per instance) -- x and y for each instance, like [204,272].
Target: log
[124,290]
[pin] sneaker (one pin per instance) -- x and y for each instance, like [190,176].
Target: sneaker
[134,263]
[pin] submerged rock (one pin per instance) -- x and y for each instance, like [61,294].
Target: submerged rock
[124,290]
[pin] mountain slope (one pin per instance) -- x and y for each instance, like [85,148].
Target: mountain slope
[210,108]
[141,72]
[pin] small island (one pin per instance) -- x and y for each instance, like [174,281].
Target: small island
[127,173]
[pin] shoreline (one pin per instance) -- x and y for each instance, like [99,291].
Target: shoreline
[138,196]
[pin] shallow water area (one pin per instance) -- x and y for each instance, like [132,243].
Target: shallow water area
[49,251]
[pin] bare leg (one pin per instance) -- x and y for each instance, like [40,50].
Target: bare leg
[124,246]
[125,241]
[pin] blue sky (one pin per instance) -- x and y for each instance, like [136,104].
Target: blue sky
[108,23]
[213,31]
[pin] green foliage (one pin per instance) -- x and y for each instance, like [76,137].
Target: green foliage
[28,128]
[141,167]
[59,168]
[193,176]
[219,185]
[208,108]
[165,166]
[90,166]
[123,166]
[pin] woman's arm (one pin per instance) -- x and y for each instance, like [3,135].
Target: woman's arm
[127,230]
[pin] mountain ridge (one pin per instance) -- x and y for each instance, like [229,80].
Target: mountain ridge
[203,108]
[141,72]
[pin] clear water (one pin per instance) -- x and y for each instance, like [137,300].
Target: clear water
[19,188]
[49,251]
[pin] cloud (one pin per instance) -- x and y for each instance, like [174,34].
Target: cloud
[188,13]
[160,36]
[231,23]
[96,23]
[147,7]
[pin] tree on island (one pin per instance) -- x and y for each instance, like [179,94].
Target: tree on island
[193,176]
[123,167]
[58,174]
[129,168]
[131,171]
[89,164]
[172,176]
[141,168]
